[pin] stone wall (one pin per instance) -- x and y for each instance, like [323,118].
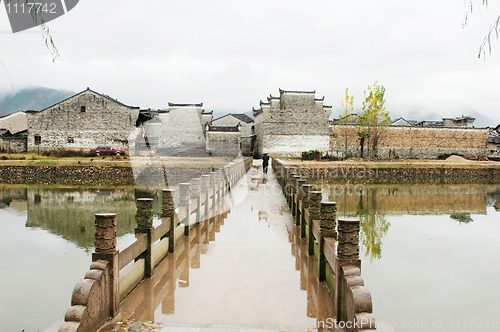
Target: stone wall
[293,145]
[180,126]
[294,115]
[412,142]
[438,174]
[246,130]
[224,143]
[95,176]
[13,143]
[83,121]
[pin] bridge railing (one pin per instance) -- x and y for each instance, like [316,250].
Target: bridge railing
[114,274]
[335,247]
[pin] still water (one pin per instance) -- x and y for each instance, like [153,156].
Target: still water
[431,255]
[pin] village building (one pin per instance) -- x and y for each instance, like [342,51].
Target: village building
[461,121]
[178,130]
[224,140]
[494,141]
[81,122]
[283,126]
[295,121]
[246,128]
[13,133]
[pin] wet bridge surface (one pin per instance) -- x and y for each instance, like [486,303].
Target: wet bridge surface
[247,270]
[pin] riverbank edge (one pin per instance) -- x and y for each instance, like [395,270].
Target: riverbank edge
[121,175]
[387,173]
[94,175]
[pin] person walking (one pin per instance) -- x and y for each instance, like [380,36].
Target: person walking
[265,162]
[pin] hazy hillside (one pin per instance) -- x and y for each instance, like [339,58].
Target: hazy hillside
[36,98]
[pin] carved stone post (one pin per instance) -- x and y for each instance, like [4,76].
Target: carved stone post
[314,213]
[144,217]
[348,262]
[300,197]
[184,194]
[307,188]
[105,232]
[195,196]
[205,182]
[168,211]
[105,249]
[328,212]
[348,237]
[294,188]
[289,188]
[213,191]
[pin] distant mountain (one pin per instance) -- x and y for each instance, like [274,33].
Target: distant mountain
[481,120]
[36,98]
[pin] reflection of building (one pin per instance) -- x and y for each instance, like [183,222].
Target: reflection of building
[82,121]
[70,213]
[410,199]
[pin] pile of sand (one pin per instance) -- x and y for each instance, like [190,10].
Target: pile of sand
[457,159]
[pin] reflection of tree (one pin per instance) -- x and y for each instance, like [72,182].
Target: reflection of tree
[374,225]
[461,217]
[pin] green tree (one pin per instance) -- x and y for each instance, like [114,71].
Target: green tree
[373,117]
[345,118]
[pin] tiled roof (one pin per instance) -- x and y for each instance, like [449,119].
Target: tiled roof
[14,123]
[243,117]
[223,128]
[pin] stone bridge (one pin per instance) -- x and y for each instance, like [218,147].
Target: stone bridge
[130,289]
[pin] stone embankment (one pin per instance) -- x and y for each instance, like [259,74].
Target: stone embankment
[378,174]
[85,175]
[116,175]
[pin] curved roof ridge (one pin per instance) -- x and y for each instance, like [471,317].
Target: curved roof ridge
[297,91]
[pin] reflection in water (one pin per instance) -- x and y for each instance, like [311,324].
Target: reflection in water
[371,203]
[241,281]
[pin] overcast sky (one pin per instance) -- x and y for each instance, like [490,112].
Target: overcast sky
[231,54]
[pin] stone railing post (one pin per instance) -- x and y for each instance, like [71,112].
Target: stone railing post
[204,188]
[348,237]
[289,188]
[328,214]
[105,249]
[306,188]
[184,195]
[144,219]
[314,213]
[195,196]
[213,192]
[294,188]
[347,256]
[168,211]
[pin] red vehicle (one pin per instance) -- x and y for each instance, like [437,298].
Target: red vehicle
[106,150]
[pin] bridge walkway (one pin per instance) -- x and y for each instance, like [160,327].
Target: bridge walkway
[249,272]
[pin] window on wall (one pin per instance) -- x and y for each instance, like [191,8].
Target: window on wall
[38,139]
[82,109]
[71,140]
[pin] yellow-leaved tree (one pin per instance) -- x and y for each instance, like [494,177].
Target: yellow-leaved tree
[373,118]
[345,119]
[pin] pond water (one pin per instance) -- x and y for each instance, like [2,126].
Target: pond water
[430,254]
